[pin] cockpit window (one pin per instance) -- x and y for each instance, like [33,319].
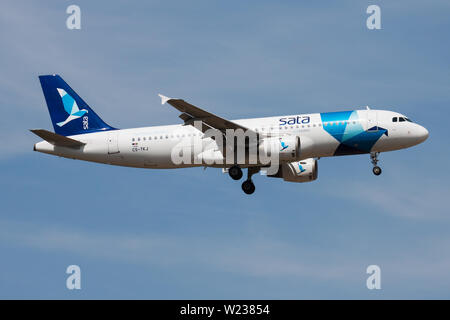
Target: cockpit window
[400,119]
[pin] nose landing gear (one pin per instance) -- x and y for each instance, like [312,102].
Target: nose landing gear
[376,170]
[248,186]
[374,159]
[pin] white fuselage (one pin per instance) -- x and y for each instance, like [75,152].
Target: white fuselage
[329,134]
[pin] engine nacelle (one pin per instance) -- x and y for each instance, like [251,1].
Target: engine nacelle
[289,148]
[298,171]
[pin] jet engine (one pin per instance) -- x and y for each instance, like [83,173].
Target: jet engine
[298,171]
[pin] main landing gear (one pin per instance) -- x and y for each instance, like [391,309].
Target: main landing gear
[248,186]
[374,159]
[235,172]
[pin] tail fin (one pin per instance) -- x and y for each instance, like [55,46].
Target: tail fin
[69,113]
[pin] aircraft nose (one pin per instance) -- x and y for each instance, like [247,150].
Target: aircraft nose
[422,134]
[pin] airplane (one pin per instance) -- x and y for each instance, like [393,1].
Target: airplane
[297,141]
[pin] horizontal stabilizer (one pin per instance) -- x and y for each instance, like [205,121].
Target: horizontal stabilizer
[57,139]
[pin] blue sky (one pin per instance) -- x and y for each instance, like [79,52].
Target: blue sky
[190,234]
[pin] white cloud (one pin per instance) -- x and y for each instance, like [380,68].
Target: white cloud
[261,257]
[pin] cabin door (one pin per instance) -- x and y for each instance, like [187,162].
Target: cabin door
[113,141]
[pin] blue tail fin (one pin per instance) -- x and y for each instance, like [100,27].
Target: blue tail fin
[69,113]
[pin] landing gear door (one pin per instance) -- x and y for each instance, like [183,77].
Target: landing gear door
[113,142]
[372,121]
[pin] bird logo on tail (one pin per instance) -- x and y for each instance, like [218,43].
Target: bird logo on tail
[71,107]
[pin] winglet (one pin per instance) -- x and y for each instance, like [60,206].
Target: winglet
[164,99]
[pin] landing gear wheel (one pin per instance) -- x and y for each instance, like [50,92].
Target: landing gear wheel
[376,170]
[374,159]
[235,172]
[248,187]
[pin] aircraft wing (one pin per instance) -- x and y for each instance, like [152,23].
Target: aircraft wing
[190,113]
